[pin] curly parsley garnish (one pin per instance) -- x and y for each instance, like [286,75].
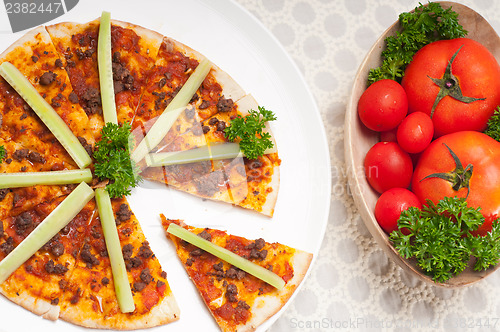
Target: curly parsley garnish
[3,153]
[493,128]
[441,241]
[112,155]
[249,129]
[424,26]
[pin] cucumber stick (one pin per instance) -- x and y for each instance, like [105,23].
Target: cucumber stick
[207,152]
[46,113]
[106,69]
[27,179]
[49,227]
[165,121]
[120,277]
[244,264]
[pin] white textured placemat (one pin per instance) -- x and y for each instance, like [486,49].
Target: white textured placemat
[353,286]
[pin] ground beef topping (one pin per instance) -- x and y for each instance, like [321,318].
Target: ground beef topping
[47,78]
[73,97]
[86,145]
[145,276]
[88,257]
[52,268]
[35,157]
[20,154]
[144,250]
[231,293]
[224,105]
[23,222]
[205,235]
[7,246]
[127,251]
[123,214]
[105,281]
[91,101]
[211,184]
[139,286]
[122,78]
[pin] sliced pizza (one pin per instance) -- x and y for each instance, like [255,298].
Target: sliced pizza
[70,276]
[237,300]
[134,51]
[248,183]
[90,298]
[38,285]
[37,59]
[174,64]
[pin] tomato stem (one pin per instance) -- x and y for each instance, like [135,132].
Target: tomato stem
[450,86]
[459,177]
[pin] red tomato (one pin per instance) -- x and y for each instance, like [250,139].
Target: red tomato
[475,74]
[415,132]
[478,153]
[390,205]
[383,105]
[388,166]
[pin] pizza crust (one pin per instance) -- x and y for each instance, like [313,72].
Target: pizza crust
[37,306]
[230,88]
[268,305]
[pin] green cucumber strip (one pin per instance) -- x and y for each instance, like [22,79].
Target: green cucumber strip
[165,121]
[106,69]
[27,179]
[258,271]
[120,277]
[46,113]
[206,152]
[50,226]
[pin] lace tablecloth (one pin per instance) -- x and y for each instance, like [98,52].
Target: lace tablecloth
[353,286]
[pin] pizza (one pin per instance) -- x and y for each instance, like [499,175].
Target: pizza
[237,300]
[70,277]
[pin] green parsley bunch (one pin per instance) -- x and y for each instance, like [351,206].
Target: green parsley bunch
[439,237]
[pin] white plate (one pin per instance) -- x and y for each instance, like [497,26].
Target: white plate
[236,42]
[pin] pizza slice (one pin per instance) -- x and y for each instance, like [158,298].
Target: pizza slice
[248,183]
[134,51]
[237,300]
[18,159]
[174,64]
[36,57]
[90,298]
[218,100]
[39,283]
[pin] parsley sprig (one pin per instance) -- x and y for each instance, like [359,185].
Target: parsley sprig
[249,129]
[112,155]
[439,237]
[3,153]
[493,128]
[424,26]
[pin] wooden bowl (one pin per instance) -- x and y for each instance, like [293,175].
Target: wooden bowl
[358,140]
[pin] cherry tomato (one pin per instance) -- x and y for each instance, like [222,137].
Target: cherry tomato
[390,205]
[388,166]
[456,82]
[383,105]
[415,132]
